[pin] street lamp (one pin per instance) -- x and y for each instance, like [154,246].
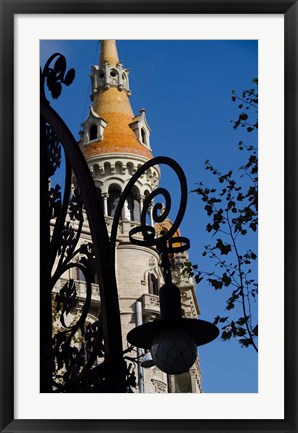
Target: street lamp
[172,339]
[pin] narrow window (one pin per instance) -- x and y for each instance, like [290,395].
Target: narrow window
[113,200]
[93,132]
[133,206]
[130,206]
[143,134]
[152,284]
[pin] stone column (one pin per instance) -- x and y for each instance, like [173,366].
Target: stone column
[141,198]
[105,197]
[151,215]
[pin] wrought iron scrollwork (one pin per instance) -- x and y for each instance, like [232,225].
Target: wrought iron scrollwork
[146,235]
[160,210]
[54,76]
[76,355]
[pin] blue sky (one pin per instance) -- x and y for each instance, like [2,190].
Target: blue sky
[185,86]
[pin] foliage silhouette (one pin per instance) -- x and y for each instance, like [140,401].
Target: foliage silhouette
[232,209]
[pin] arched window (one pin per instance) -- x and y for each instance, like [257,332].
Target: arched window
[129,168]
[118,167]
[153,284]
[133,206]
[107,168]
[93,132]
[113,200]
[96,169]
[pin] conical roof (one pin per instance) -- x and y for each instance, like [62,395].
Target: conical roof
[108,53]
[112,104]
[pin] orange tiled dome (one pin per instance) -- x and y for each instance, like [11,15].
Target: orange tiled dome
[121,141]
[114,107]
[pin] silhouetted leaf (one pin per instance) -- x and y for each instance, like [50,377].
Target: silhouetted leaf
[242,320]
[223,248]
[226,335]
[255,330]
[216,320]
[240,332]
[245,342]
[215,283]
[226,280]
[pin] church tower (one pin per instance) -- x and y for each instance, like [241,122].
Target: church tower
[115,144]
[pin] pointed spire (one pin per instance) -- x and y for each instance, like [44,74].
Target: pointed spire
[108,53]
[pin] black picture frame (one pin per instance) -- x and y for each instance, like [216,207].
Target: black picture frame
[9,8]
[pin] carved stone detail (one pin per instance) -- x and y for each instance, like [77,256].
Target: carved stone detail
[160,387]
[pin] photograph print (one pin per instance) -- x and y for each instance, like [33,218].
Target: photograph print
[148,216]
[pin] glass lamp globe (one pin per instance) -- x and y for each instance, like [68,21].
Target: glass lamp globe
[173,350]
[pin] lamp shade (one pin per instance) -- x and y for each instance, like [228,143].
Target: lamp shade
[173,340]
[203,332]
[170,339]
[174,350]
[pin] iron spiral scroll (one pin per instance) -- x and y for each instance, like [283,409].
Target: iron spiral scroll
[160,211]
[76,355]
